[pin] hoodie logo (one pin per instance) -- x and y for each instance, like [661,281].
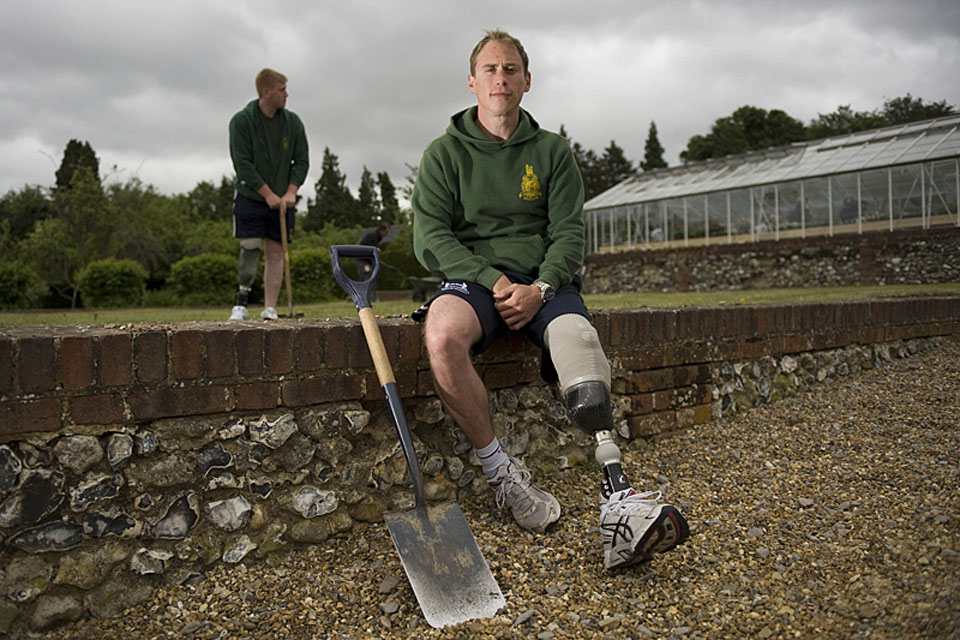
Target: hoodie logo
[529,185]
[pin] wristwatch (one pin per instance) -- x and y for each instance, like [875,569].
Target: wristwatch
[547,292]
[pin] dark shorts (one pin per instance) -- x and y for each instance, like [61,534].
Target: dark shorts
[567,300]
[253,219]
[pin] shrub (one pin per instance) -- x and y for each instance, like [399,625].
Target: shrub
[398,263]
[325,237]
[210,236]
[112,283]
[20,286]
[165,297]
[312,277]
[206,279]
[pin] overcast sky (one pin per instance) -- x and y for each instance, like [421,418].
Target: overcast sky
[152,85]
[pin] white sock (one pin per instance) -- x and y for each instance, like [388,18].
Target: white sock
[492,458]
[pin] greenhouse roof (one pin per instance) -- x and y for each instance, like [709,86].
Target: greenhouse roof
[874,149]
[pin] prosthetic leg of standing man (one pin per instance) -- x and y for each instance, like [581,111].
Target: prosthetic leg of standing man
[634,525]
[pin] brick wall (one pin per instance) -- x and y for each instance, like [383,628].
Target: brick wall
[52,380]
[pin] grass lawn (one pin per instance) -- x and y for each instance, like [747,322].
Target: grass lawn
[401,304]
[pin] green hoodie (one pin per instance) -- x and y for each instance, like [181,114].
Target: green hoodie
[260,160]
[482,206]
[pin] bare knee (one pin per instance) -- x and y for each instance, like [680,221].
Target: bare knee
[445,345]
[451,329]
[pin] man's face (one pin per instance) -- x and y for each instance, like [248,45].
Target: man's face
[277,96]
[500,79]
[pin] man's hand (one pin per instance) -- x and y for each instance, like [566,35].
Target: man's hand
[516,303]
[272,199]
[290,197]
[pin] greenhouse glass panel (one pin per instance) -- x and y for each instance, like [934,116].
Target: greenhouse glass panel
[943,192]
[846,208]
[602,229]
[789,210]
[920,149]
[718,226]
[950,146]
[634,235]
[740,222]
[816,206]
[873,192]
[674,219]
[658,222]
[907,196]
[620,232]
[696,218]
[764,212]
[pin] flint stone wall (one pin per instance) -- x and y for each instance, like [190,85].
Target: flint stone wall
[875,258]
[133,456]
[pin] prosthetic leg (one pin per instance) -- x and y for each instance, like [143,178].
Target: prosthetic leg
[584,374]
[247,265]
[634,526]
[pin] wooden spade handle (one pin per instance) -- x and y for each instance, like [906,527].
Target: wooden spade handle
[378,352]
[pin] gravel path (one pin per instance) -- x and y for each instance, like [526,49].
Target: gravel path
[833,514]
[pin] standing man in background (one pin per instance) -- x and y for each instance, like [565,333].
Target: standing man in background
[268,146]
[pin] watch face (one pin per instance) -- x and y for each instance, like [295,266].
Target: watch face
[546,291]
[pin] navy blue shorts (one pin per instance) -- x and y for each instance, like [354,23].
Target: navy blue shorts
[254,219]
[567,300]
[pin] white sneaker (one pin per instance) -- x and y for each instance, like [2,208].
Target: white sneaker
[239,313]
[635,526]
[532,508]
[269,314]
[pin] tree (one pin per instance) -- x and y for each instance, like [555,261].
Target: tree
[746,129]
[389,205]
[653,151]
[590,170]
[588,163]
[614,166]
[334,202]
[77,155]
[368,203]
[82,230]
[894,111]
[599,173]
[23,209]
[909,109]
[411,180]
[212,202]
[154,229]
[842,121]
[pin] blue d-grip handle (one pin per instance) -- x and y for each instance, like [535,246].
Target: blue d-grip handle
[359,292]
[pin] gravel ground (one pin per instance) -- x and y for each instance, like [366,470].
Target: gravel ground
[833,514]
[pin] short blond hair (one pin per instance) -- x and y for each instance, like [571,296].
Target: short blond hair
[497,35]
[267,79]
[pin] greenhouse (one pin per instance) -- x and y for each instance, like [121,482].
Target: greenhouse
[882,179]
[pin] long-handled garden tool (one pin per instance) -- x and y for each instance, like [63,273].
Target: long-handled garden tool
[286,260]
[448,574]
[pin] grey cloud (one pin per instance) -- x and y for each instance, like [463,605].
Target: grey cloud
[376,80]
